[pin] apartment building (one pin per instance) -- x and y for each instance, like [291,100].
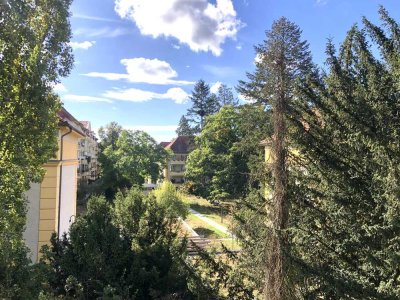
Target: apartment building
[180,147]
[51,204]
[88,169]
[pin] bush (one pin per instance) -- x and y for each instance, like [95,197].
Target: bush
[172,200]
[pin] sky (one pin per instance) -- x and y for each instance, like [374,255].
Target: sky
[136,61]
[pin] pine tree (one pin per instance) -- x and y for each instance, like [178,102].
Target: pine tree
[225,96]
[204,104]
[346,208]
[184,127]
[285,58]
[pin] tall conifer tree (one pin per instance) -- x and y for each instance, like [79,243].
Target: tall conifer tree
[203,104]
[284,58]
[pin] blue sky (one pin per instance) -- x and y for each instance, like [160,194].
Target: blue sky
[136,60]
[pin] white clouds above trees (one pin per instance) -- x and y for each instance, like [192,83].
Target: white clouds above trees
[82,45]
[178,95]
[201,25]
[143,70]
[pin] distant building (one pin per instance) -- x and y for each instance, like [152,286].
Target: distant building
[88,169]
[51,204]
[180,147]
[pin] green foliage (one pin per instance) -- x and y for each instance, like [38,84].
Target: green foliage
[203,104]
[171,200]
[129,251]
[225,96]
[128,158]
[226,148]
[284,60]
[34,53]
[184,127]
[345,219]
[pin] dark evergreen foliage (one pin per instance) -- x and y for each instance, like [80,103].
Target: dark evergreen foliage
[204,104]
[345,186]
[184,128]
[131,251]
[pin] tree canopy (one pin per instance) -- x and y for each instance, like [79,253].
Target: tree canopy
[128,158]
[129,251]
[219,166]
[204,103]
[345,205]
[34,54]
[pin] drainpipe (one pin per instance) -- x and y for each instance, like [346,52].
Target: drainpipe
[61,169]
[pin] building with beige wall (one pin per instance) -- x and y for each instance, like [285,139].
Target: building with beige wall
[88,169]
[52,203]
[176,167]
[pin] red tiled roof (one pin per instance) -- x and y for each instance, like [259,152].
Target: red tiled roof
[182,144]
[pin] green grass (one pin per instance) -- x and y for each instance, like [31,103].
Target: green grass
[203,229]
[214,212]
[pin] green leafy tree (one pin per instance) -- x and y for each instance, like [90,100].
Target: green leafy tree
[34,54]
[129,251]
[346,214]
[219,166]
[204,104]
[171,200]
[184,128]
[284,59]
[132,158]
[109,135]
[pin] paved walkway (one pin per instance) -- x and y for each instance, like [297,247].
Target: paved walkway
[189,229]
[210,222]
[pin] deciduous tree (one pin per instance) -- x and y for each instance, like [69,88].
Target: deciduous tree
[34,54]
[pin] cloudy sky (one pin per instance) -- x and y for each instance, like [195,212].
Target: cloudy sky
[136,60]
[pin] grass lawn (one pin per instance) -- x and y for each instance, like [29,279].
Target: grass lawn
[203,229]
[211,211]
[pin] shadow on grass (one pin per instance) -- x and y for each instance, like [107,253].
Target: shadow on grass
[205,232]
[209,210]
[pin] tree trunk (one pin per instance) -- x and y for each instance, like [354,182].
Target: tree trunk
[275,288]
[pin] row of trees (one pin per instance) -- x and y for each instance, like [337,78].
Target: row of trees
[328,227]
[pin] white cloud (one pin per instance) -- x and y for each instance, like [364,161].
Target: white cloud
[106,32]
[153,71]
[257,59]
[86,99]
[176,46]
[178,95]
[60,88]
[201,25]
[82,45]
[239,47]
[245,99]
[214,88]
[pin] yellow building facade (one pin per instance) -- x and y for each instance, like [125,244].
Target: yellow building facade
[52,203]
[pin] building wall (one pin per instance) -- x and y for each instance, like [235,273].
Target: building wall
[31,234]
[43,199]
[48,221]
